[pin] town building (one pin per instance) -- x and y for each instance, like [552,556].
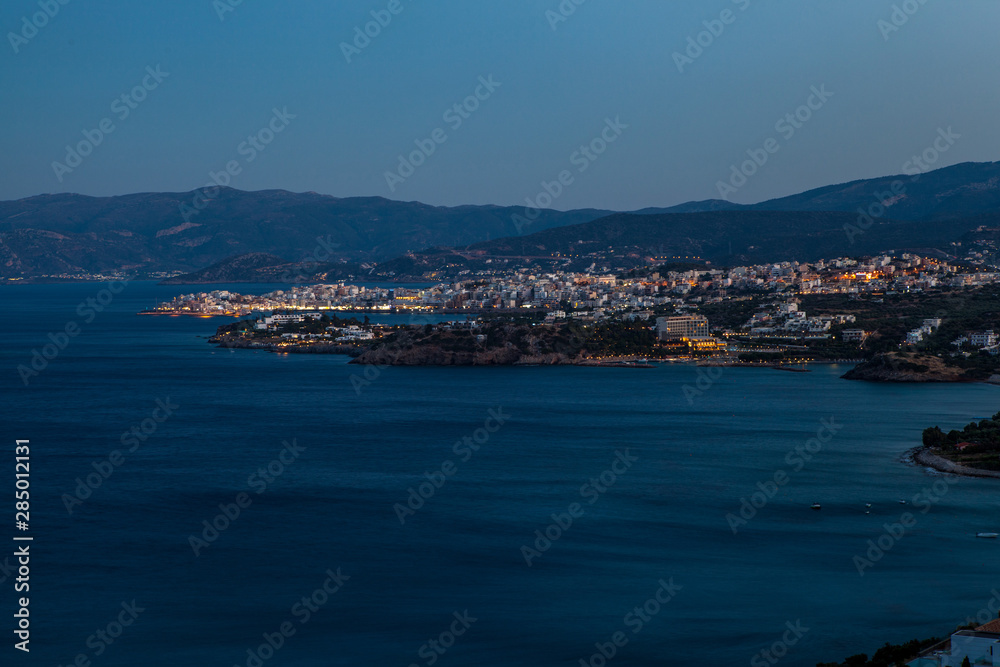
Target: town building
[853,335]
[682,326]
[983,339]
[981,646]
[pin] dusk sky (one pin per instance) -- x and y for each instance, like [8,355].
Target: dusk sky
[347,123]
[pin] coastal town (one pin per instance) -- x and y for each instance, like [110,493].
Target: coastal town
[781,312]
[602,295]
[479,334]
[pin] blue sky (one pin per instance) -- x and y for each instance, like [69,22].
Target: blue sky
[892,89]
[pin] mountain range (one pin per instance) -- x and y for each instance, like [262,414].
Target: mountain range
[151,232]
[274,231]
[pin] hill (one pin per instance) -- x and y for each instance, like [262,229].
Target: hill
[958,191]
[722,237]
[140,233]
[323,235]
[625,241]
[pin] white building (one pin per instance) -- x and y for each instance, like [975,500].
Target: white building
[981,646]
[983,339]
[353,332]
[683,326]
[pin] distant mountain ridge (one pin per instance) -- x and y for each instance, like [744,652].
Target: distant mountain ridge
[958,191]
[148,232]
[737,237]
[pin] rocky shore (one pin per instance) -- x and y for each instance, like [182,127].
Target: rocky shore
[893,368]
[429,354]
[432,355]
[241,343]
[926,457]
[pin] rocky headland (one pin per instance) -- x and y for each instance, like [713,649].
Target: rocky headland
[892,367]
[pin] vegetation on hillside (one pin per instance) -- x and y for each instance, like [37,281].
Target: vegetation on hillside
[890,655]
[977,445]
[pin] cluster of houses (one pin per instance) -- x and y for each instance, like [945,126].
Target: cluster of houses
[272,322]
[926,328]
[597,295]
[987,341]
[351,332]
[785,319]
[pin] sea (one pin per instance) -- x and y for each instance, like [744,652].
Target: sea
[196,505]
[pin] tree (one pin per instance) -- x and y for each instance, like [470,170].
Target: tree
[934,437]
[965,662]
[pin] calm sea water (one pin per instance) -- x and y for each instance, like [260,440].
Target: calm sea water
[368,441]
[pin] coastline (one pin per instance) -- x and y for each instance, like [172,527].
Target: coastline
[356,352]
[925,457]
[370,356]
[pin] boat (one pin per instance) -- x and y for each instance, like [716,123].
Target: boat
[990,536]
[816,506]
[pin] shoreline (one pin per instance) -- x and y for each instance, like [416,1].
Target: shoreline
[925,457]
[627,361]
[359,311]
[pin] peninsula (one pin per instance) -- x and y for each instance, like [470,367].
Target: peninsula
[901,319]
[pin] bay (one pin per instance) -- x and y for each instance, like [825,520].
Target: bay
[370,439]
